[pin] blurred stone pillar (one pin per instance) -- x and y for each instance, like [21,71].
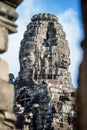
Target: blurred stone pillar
[82,82]
[8,16]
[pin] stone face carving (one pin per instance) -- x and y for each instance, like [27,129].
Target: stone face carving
[64,60]
[47,46]
[44,61]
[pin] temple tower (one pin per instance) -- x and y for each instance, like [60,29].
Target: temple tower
[45,57]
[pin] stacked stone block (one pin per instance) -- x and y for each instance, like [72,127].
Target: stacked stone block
[8,16]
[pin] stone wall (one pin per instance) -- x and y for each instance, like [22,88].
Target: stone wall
[8,16]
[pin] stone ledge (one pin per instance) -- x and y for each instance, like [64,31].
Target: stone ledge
[8,24]
[8,12]
[13,3]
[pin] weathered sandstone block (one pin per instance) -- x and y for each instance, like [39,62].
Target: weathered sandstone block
[3,39]
[6,96]
[3,70]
